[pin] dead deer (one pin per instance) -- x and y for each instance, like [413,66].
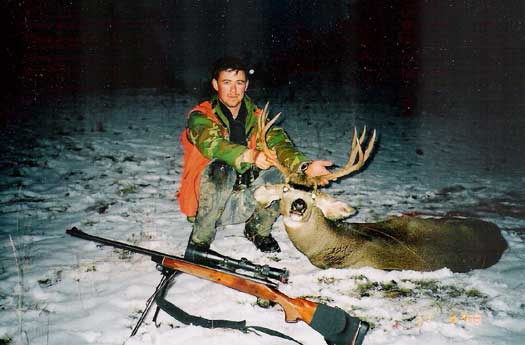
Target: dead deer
[314,223]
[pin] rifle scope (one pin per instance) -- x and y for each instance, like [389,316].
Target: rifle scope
[212,258]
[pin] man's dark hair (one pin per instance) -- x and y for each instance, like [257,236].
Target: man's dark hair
[228,63]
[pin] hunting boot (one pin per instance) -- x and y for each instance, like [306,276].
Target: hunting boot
[258,227]
[216,186]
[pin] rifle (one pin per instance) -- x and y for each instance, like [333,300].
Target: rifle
[334,324]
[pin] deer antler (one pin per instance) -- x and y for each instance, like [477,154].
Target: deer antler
[355,152]
[262,129]
[299,178]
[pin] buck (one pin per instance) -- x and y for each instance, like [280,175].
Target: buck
[314,223]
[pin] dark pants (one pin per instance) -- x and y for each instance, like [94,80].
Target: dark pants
[222,202]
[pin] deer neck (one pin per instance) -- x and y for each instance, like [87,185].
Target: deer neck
[311,235]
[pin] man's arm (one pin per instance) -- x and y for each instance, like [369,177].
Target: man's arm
[207,136]
[287,153]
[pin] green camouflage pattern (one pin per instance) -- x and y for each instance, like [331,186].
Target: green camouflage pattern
[208,137]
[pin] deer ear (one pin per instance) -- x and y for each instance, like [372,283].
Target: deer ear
[333,209]
[266,194]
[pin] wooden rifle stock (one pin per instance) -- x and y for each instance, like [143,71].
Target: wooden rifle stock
[294,308]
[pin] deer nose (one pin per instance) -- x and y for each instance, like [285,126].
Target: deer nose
[298,206]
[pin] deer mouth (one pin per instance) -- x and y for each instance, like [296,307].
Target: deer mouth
[298,208]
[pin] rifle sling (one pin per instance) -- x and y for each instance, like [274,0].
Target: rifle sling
[188,319]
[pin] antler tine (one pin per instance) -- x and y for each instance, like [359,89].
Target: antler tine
[371,143]
[264,113]
[362,137]
[263,127]
[370,146]
[272,121]
[355,152]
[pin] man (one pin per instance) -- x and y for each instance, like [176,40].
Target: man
[223,166]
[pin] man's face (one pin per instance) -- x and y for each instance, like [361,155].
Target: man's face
[231,86]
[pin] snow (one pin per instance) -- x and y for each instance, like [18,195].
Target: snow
[110,165]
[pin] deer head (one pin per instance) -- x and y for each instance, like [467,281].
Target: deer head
[299,194]
[298,206]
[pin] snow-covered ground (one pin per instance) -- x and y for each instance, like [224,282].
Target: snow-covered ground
[110,165]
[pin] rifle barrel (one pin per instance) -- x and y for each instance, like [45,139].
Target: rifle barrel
[155,256]
[159,256]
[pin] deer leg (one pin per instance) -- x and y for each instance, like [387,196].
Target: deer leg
[217,182]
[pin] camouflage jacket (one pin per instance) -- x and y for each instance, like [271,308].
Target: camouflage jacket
[212,138]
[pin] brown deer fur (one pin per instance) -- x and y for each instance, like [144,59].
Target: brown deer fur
[316,229]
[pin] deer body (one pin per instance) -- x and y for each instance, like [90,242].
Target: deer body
[404,243]
[313,221]
[399,243]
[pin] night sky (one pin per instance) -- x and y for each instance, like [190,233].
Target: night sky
[417,55]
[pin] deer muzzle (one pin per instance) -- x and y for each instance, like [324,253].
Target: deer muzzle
[298,207]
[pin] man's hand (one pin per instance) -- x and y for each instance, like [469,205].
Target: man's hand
[264,161]
[318,169]
[259,158]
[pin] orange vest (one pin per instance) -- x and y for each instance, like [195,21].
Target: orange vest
[195,162]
